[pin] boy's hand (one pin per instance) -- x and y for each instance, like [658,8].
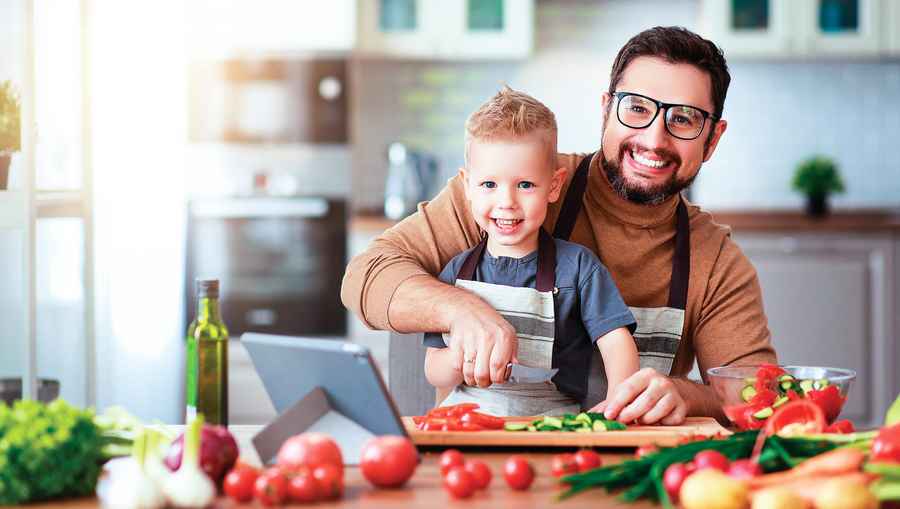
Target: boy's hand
[648,397]
[487,341]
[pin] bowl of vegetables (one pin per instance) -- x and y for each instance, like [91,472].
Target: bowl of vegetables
[751,394]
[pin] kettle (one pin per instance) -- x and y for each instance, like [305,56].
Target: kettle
[410,179]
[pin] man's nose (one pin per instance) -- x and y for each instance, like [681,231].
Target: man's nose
[655,134]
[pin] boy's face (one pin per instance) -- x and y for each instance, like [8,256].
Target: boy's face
[509,184]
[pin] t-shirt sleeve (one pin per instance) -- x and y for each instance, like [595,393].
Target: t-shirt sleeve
[447,275]
[602,307]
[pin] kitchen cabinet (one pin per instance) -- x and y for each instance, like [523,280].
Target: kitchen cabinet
[830,298]
[801,28]
[434,29]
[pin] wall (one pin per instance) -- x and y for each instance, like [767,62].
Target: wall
[845,109]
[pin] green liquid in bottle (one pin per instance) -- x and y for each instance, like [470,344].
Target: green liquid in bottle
[207,358]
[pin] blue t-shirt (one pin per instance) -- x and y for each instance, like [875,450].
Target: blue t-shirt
[587,306]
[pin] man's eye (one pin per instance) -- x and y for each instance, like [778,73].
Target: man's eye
[526,185]
[488,184]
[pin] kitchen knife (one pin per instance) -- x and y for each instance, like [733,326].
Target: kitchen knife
[527,375]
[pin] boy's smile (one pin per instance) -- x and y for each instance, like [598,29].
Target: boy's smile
[509,184]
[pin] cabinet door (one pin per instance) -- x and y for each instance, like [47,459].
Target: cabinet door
[891,27]
[751,28]
[400,28]
[839,27]
[828,302]
[489,29]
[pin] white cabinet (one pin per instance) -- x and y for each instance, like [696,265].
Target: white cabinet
[436,29]
[801,28]
[221,28]
[891,27]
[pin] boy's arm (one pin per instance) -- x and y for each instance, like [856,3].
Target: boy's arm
[442,367]
[620,357]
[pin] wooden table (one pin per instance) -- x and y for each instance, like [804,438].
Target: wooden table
[424,490]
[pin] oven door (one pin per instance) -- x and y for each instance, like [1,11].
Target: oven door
[279,262]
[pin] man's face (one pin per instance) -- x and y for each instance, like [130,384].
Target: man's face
[649,165]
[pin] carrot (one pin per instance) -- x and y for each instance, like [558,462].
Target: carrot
[832,463]
[809,487]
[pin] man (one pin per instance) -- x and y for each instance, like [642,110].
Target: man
[691,289]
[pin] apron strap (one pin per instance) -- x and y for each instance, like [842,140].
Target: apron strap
[546,269]
[681,260]
[572,203]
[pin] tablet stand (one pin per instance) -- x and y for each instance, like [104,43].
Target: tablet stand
[312,413]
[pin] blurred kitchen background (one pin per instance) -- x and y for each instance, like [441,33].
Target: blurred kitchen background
[266,142]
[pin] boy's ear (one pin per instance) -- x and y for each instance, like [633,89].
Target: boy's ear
[465,178]
[559,178]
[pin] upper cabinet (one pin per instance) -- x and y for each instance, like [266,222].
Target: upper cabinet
[223,28]
[803,28]
[436,29]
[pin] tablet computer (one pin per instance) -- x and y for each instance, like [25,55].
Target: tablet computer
[291,367]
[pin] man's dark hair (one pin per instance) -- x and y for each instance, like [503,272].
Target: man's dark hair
[676,45]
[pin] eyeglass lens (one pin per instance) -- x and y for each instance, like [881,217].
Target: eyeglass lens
[683,122]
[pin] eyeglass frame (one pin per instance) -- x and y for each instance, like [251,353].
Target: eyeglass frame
[659,107]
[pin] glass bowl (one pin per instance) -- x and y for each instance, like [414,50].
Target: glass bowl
[750,394]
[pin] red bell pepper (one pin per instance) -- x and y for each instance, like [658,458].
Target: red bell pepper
[829,400]
[886,446]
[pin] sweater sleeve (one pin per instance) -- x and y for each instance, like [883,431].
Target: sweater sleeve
[732,328]
[417,246]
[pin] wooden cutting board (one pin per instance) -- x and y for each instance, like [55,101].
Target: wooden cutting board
[634,436]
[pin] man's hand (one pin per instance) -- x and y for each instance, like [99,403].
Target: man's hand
[488,343]
[647,397]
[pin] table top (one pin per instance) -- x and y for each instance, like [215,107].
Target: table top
[424,490]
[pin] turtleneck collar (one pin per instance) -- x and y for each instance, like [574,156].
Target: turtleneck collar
[601,194]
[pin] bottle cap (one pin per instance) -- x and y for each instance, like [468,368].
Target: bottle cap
[208,288]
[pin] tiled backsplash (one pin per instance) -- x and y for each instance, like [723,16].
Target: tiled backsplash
[778,113]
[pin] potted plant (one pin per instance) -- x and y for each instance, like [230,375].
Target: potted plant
[817,177]
[10,129]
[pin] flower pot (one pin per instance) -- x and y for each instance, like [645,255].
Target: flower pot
[817,205]
[4,171]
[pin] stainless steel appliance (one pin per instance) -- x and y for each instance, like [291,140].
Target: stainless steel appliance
[411,177]
[279,260]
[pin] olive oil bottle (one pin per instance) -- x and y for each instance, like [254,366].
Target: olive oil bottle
[207,358]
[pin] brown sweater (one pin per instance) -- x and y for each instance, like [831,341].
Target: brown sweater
[724,320]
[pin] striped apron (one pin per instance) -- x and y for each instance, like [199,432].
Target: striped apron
[531,311]
[659,330]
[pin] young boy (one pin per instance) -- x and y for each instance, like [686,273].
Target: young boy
[556,294]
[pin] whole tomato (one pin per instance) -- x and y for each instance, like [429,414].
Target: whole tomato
[711,459]
[743,469]
[271,487]
[587,459]
[303,487]
[330,480]
[645,449]
[563,464]
[459,482]
[518,472]
[480,472]
[673,478]
[451,458]
[886,446]
[388,461]
[239,483]
[310,450]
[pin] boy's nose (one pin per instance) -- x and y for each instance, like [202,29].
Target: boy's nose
[507,199]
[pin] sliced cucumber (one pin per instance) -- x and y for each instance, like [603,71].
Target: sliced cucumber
[516,426]
[806,385]
[599,426]
[553,422]
[780,401]
[748,392]
[532,427]
[583,430]
[614,426]
[765,413]
[821,384]
[786,378]
[583,417]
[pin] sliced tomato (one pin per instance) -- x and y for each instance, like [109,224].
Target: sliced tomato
[801,412]
[829,400]
[766,376]
[483,420]
[792,395]
[764,398]
[452,410]
[842,426]
[432,425]
[742,416]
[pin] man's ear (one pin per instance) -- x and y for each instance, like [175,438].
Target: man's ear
[605,99]
[718,131]
[559,178]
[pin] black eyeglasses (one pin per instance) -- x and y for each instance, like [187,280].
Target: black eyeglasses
[682,121]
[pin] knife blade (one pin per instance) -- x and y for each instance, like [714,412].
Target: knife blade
[520,374]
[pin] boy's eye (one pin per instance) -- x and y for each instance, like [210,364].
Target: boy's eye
[526,185]
[488,184]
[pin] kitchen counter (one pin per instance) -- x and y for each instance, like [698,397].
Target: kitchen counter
[424,490]
[794,220]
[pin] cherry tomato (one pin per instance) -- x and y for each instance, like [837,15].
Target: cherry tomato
[563,464]
[309,449]
[452,411]
[239,483]
[886,446]
[449,459]
[518,472]
[303,487]
[711,459]
[480,473]
[388,461]
[483,420]
[587,459]
[673,478]
[645,449]
[459,482]
[803,412]
[743,469]
[330,480]
[271,487]
[829,400]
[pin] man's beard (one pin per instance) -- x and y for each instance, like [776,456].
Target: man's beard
[643,195]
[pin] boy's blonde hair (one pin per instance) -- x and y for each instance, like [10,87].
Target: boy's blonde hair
[512,115]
